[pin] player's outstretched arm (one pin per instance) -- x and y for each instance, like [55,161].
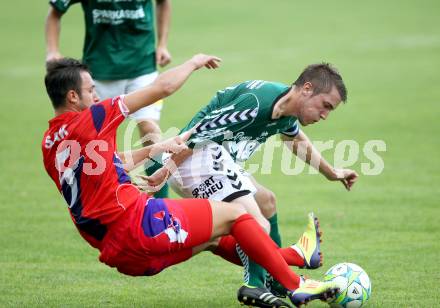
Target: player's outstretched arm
[52,32]
[302,147]
[168,82]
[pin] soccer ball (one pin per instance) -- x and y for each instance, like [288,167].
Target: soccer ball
[353,282]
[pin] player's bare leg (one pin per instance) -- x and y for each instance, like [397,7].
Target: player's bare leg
[250,205]
[299,255]
[254,291]
[308,256]
[266,201]
[230,218]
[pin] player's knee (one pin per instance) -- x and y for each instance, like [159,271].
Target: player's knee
[239,210]
[268,206]
[264,223]
[228,212]
[236,210]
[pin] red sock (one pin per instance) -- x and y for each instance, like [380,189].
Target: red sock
[227,249]
[260,248]
[291,256]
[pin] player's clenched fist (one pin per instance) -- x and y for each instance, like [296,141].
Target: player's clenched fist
[172,145]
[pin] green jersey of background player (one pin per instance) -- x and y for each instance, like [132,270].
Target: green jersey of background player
[119,42]
[243,116]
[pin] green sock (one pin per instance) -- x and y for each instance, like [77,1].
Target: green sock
[274,232]
[254,274]
[276,237]
[150,167]
[257,275]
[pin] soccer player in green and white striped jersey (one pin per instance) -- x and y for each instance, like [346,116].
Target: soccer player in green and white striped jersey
[229,130]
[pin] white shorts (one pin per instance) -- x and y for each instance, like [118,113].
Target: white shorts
[112,88]
[211,173]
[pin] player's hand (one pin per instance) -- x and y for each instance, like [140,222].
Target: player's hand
[53,55]
[172,145]
[158,179]
[207,61]
[163,56]
[153,182]
[347,176]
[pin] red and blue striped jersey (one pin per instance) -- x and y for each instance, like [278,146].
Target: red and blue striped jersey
[79,153]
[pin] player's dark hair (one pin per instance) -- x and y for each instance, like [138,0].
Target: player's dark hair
[63,75]
[322,76]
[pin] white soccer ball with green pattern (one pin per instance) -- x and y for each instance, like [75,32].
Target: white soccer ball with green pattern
[353,282]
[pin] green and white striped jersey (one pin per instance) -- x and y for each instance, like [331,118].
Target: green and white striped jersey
[240,118]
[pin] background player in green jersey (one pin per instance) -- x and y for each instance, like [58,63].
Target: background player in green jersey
[232,126]
[120,49]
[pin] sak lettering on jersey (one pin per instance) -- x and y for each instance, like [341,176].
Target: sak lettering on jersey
[57,136]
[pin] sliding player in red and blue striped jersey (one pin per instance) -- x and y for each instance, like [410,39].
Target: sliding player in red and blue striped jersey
[137,234]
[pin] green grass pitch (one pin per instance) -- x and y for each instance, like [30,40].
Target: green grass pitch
[389,55]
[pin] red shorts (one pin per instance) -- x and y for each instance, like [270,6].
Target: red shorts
[155,234]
